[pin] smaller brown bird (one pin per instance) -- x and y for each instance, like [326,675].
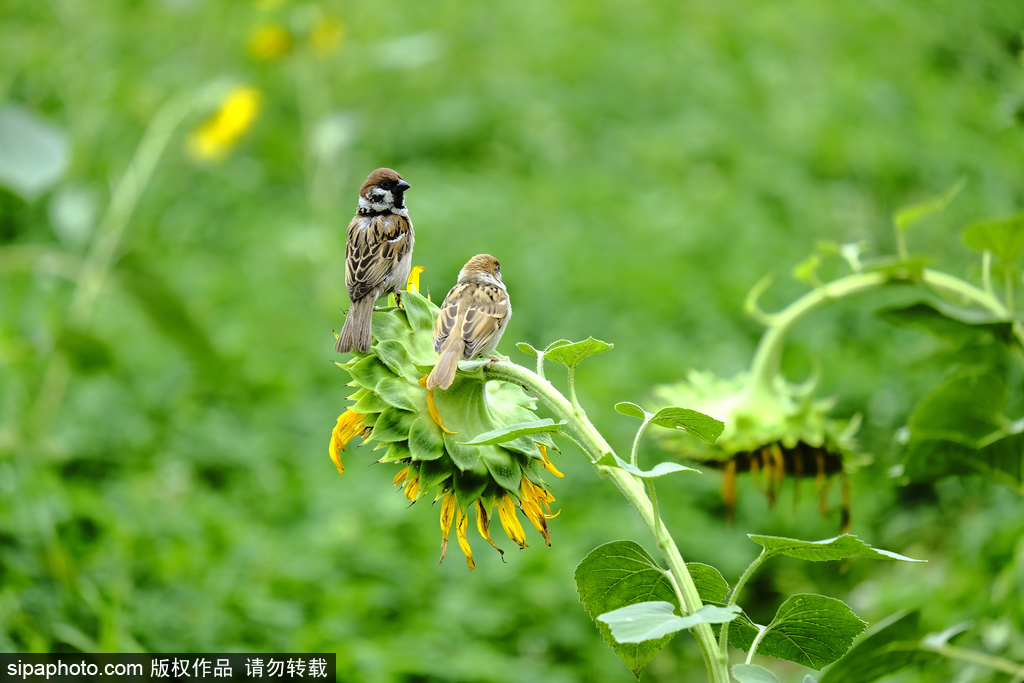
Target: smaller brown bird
[473,318]
[378,254]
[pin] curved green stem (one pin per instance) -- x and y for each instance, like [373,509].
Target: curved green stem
[768,357]
[595,447]
[734,592]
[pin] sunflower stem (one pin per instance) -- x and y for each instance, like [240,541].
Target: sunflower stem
[768,358]
[595,447]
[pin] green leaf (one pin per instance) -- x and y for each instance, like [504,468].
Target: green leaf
[527,349]
[502,467]
[464,457]
[711,585]
[370,403]
[887,647]
[511,432]
[571,354]
[557,344]
[698,424]
[966,408]
[392,425]
[632,410]
[807,270]
[615,575]
[912,214]
[960,325]
[387,325]
[837,548]
[397,391]
[1004,238]
[395,356]
[433,472]
[368,371]
[960,428]
[418,310]
[425,440]
[752,673]
[659,470]
[654,620]
[812,630]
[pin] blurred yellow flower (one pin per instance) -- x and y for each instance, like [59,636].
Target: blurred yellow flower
[270,42]
[326,35]
[219,134]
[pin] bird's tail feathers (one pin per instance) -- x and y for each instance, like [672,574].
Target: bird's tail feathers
[444,372]
[355,335]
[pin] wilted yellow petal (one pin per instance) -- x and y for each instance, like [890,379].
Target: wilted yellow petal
[432,409]
[327,35]
[530,501]
[219,134]
[509,520]
[461,521]
[412,487]
[400,477]
[348,426]
[483,526]
[447,514]
[270,42]
[547,463]
[413,283]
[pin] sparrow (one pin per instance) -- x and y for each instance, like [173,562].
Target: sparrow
[378,254]
[473,317]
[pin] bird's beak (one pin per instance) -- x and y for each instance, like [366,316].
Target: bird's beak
[403,186]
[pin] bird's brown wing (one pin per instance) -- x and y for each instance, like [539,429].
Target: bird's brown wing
[448,320]
[484,320]
[375,246]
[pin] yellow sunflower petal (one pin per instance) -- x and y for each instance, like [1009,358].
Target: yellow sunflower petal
[447,514]
[461,520]
[400,477]
[412,487]
[413,283]
[547,463]
[348,426]
[483,526]
[510,522]
[432,409]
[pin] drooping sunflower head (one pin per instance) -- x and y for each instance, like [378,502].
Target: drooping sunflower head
[426,433]
[772,433]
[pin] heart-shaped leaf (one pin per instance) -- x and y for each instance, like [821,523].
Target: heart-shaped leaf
[698,424]
[572,353]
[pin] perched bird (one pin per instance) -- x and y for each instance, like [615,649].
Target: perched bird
[378,254]
[473,318]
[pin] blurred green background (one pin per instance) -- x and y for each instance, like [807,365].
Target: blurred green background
[167,387]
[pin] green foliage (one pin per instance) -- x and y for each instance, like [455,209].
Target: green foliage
[653,620]
[616,575]
[831,549]
[812,630]
[636,169]
[752,673]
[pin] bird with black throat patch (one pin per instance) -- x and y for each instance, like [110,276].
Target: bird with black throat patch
[378,254]
[473,317]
